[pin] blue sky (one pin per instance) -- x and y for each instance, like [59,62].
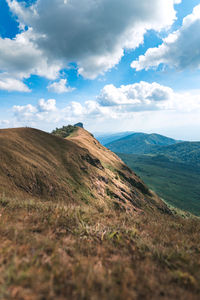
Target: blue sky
[114,65]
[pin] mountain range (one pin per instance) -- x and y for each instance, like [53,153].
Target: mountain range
[111,137]
[170,167]
[140,143]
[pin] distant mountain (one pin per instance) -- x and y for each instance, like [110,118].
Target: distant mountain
[185,152]
[154,144]
[140,143]
[169,167]
[108,138]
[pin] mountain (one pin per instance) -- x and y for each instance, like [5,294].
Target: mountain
[139,143]
[142,143]
[41,165]
[169,167]
[111,137]
[185,152]
[76,223]
[174,181]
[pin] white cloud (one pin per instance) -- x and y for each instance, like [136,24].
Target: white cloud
[143,96]
[47,106]
[4,123]
[12,84]
[181,49]
[91,33]
[138,96]
[23,113]
[60,87]
[19,58]
[45,110]
[119,104]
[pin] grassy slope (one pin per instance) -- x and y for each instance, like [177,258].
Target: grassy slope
[175,182]
[67,251]
[53,248]
[36,164]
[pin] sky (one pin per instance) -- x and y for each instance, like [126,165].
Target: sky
[115,65]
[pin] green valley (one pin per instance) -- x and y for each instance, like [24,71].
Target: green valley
[177,183]
[169,167]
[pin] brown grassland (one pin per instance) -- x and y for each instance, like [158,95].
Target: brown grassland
[76,223]
[60,251]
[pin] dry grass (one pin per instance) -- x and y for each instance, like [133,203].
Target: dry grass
[59,251]
[35,164]
[100,234]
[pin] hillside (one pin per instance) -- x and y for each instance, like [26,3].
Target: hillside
[172,180]
[185,152]
[40,165]
[76,223]
[169,167]
[140,143]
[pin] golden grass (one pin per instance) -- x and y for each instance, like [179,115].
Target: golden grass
[66,251]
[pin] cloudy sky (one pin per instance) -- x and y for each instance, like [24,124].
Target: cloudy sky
[115,65]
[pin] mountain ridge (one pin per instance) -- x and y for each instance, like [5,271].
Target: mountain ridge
[37,164]
[108,138]
[140,143]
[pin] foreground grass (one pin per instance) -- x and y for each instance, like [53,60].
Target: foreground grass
[58,251]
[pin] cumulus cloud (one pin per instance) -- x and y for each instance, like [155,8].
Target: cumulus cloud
[12,84]
[157,109]
[181,49]
[114,103]
[47,106]
[19,58]
[24,112]
[60,87]
[94,34]
[28,114]
[138,96]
